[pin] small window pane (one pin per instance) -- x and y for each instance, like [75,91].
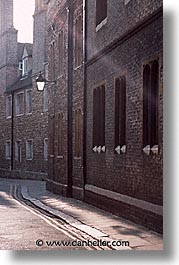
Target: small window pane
[101,11]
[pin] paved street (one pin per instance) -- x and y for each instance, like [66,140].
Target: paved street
[21,227]
[31,215]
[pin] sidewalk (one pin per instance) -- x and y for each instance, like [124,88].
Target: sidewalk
[89,219]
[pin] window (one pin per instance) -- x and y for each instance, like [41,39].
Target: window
[18,151]
[8,106]
[52,61]
[29,101]
[120,115]
[8,150]
[20,66]
[78,42]
[150,105]
[78,132]
[51,134]
[99,119]
[45,149]
[126,2]
[60,134]
[29,149]
[101,11]
[25,66]
[19,103]
[45,99]
[61,51]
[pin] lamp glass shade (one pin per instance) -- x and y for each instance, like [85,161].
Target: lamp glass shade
[40,85]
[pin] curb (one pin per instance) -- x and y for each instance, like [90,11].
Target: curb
[66,218]
[75,223]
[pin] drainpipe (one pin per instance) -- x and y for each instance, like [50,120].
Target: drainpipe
[70,97]
[12,136]
[85,92]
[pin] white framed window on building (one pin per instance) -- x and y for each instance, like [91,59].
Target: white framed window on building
[18,151]
[8,149]
[101,13]
[126,1]
[28,102]
[20,103]
[8,106]
[29,149]
[20,66]
[24,66]
[46,149]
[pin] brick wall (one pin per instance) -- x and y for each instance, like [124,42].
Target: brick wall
[131,37]
[6,14]
[8,58]
[133,173]
[120,19]
[57,98]
[58,165]
[27,126]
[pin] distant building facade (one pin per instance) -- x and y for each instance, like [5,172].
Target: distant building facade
[24,118]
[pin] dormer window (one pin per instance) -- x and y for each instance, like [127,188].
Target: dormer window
[20,66]
[24,66]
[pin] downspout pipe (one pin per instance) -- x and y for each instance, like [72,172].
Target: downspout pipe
[12,136]
[84,93]
[70,98]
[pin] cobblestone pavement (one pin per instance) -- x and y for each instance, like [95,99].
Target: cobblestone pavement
[84,219]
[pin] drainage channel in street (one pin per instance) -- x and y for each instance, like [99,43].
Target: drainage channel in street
[57,223]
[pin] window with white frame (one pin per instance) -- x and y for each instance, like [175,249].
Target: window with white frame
[25,66]
[8,149]
[29,101]
[45,149]
[18,151]
[20,103]
[126,1]
[8,106]
[101,13]
[20,66]
[29,149]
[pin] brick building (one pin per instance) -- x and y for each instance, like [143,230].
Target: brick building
[105,135]
[124,108]
[65,45]
[105,122]
[24,111]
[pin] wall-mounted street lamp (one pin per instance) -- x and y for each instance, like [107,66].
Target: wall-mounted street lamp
[41,81]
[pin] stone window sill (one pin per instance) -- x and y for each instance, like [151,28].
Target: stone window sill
[103,22]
